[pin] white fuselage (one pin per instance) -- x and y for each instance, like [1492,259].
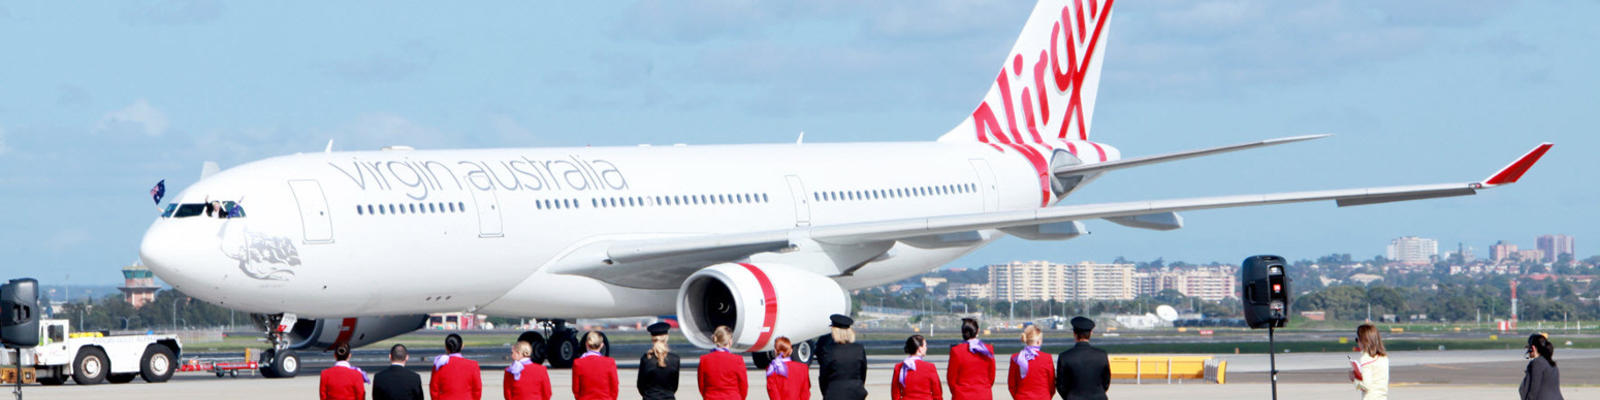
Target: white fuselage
[489,221]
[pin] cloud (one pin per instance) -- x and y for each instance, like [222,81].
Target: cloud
[398,64]
[139,117]
[173,12]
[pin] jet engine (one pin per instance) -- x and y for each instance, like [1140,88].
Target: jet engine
[322,334]
[759,303]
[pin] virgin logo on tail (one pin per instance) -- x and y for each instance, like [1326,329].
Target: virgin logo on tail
[1085,28]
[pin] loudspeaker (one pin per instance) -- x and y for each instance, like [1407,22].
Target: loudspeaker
[19,313]
[1266,291]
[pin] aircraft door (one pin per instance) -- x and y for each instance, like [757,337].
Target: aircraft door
[488,205]
[802,203]
[314,218]
[986,186]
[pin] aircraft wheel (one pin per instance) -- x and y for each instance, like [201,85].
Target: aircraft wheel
[536,341]
[801,352]
[564,348]
[763,359]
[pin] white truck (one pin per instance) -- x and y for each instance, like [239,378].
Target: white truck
[92,358]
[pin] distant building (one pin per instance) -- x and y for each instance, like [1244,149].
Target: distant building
[1501,251]
[1210,283]
[933,281]
[457,321]
[1530,255]
[971,291]
[1042,280]
[138,285]
[1554,246]
[1413,250]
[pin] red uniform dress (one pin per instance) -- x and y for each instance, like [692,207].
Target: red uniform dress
[921,383]
[527,381]
[342,382]
[722,376]
[455,378]
[795,386]
[1040,384]
[594,377]
[971,375]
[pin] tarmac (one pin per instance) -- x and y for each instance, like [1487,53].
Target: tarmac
[1451,375]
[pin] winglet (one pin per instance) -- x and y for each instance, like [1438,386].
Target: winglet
[1511,173]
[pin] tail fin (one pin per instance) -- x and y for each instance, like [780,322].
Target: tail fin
[1046,88]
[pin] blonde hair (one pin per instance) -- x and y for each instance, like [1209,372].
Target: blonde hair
[722,336]
[1372,344]
[782,346]
[658,349]
[522,349]
[844,335]
[1032,336]
[593,341]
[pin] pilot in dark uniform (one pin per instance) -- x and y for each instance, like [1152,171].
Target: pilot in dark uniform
[843,372]
[1083,372]
[658,368]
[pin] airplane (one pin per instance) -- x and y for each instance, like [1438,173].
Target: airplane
[352,247]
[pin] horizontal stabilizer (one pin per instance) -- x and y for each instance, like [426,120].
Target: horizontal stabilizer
[1159,221]
[1082,169]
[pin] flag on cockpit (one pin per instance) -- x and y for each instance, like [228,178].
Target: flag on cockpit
[160,190]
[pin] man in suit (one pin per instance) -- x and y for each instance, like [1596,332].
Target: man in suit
[397,382]
[1083,372]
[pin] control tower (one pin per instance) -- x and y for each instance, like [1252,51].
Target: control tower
[139,285]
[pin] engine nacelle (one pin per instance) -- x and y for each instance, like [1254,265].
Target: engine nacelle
[323,334]
[759,303]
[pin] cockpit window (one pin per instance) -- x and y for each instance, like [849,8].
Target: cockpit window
[215,209]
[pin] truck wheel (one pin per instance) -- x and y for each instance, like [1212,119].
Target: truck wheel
[121,378]
[52,381]
[90,367]
[156,364]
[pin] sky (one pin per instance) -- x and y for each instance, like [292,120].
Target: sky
[99,101]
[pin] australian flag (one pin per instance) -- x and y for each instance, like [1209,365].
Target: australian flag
[160,190]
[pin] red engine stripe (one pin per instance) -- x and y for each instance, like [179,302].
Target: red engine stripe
[347,327]
[771,298]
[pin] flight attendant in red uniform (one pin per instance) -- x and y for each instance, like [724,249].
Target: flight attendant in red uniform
[971,374]
[343,381]
[594,376]
[455,377]
[721,373]
[1033,375]
[525,380]
[787,379]
[913,378]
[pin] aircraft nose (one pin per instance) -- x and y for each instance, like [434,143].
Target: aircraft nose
[171,254]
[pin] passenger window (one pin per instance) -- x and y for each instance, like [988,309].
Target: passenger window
[359,210]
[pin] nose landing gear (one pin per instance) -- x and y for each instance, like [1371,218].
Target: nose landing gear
[278,361]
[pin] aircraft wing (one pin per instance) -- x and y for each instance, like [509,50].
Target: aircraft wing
[664,263]
[1084,169]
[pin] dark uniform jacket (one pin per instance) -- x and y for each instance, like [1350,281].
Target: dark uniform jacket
[1083,373]
[657,382]
[843,372]
[1541,381]
[396,383]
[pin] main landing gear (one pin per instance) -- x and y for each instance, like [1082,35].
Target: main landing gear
[558,343]
[801,352]
[278,361]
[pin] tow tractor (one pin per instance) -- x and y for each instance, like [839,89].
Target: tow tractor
[92,358]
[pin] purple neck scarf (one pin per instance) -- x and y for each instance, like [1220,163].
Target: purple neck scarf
[591,353]
[346,364]
[516,368]
[721,349]
[976,347]
[910,365]
[1023,358]
[440,361]
[779,366]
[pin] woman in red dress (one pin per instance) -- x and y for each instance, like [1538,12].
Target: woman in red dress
[721,373]
[971,374]
[594,376]
[1033,375]
[525,380]
[787,379]
[913,378]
